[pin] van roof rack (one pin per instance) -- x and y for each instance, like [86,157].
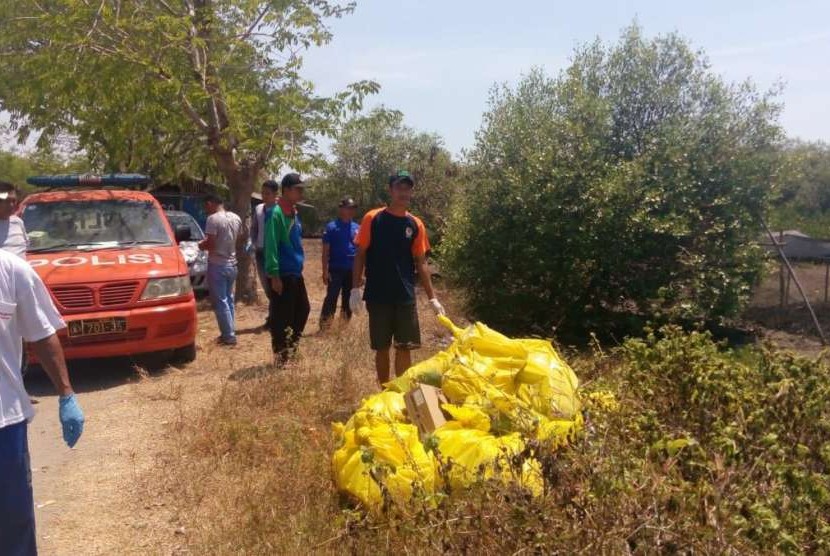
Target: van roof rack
[90,180]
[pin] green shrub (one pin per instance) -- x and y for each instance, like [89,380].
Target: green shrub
[710,451]
[634,180]
[761,428]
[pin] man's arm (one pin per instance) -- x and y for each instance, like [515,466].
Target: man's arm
[272,246]
[355,298]
[425,276]
[253,232]
[420,248]
[208,243]
[39,319]
[50,355]
[359,265]
[361,243]
[273,235]
[325,262]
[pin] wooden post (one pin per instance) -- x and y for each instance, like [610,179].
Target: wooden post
[781,272]
[787,294]
[826,278]
[797,283]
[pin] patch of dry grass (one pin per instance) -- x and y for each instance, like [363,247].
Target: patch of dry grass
[251,472]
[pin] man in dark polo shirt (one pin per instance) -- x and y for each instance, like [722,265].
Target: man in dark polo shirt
[391,246]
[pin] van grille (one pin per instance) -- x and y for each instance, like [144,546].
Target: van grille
[74,297]
[117,294]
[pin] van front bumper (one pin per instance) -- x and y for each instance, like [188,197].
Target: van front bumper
[149,329]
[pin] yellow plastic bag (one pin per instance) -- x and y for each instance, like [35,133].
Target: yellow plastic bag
[472,455]
[558,432]
[351,474]
[552,390]
[384,407]
[484,340]
[504,392]
[384,458]
[428,371]
[468,417]
[460,382]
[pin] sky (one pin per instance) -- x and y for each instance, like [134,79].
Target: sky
[436,60]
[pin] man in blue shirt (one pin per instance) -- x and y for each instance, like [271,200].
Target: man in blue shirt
[338,261]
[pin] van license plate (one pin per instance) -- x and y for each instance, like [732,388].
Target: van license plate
[96,327]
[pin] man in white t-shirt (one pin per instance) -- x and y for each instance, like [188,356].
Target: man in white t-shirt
[26,313]
[12,231]
[222,232]
[259,223]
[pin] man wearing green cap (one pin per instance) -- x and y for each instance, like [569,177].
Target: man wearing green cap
[392,245]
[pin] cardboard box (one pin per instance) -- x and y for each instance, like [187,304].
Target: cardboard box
[423,407]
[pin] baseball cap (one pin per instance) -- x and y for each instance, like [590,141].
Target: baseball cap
[401,176]
[347,202]
[292,180]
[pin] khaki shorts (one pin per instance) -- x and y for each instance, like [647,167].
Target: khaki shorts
[398,322]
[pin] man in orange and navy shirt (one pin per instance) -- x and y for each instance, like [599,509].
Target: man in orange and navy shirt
[392,245]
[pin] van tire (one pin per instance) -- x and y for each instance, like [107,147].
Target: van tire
[186,354]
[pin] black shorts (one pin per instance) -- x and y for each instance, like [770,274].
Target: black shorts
[391,321]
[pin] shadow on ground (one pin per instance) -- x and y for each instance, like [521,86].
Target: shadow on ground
[252,372]
[97,374]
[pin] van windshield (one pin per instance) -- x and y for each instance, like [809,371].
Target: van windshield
[93,225]
[183,219]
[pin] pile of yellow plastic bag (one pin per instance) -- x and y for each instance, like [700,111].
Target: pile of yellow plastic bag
[503,394]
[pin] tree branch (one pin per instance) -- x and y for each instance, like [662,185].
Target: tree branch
[192,114]
[218,108]
[96,20]
[169,8]
[266,154]
[254,25]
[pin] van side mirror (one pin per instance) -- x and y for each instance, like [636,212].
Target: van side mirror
[182,233]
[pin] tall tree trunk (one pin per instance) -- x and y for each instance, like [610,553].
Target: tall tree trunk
[241,180]
[241,204]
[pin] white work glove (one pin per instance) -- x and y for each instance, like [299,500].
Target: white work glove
[437,307]
[356,301]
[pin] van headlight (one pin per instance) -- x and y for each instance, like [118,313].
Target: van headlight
[160,288]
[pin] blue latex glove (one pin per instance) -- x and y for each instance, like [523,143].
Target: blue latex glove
[72,419]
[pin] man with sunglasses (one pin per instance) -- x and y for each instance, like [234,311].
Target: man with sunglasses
[12,230]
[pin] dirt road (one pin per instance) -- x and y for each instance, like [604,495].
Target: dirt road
[97,498]
[86,499]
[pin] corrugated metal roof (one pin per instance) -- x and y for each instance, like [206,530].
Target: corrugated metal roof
[799,246]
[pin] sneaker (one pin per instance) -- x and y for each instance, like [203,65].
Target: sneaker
[226,341]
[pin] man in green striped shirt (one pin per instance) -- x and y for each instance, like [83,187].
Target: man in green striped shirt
[284,258]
